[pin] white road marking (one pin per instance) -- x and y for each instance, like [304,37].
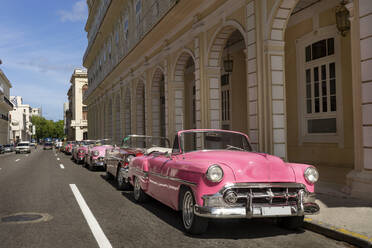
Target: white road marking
[17,160]
[26,155]
[61,165]
[58,159]
[94,226]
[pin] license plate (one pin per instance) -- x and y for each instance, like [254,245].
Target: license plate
[276,211]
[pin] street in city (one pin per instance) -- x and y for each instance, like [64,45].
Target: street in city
[49,184]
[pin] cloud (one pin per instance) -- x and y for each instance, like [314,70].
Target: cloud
[79,12]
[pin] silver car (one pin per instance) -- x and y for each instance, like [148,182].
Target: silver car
[23,147]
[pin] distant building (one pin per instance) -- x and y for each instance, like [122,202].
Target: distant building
[76,116]
[65,113]
[20,126]
[5,107]
[36,112]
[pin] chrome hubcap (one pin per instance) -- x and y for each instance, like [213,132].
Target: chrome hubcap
[188,209]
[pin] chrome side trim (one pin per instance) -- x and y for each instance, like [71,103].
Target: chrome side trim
[173,179]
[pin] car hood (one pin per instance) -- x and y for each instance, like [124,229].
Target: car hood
[247,166]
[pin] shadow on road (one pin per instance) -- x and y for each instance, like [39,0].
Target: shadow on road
[217,229]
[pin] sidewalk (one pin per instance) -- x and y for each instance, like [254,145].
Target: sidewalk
[342,217]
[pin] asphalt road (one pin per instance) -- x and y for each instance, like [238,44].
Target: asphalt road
[38,184]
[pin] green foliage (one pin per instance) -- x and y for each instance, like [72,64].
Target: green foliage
[47,128]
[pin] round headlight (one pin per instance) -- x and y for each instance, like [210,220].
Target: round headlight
[311,175]
[214,173]
[129,158]
[95,153]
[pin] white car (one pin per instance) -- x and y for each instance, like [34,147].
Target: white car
[23,146]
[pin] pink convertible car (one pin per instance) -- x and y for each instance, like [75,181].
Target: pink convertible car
[216,174]
[95,157]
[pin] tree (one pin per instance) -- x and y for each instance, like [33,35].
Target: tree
[48,128]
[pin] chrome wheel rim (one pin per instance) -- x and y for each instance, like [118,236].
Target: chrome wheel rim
[188,210]
[137,188]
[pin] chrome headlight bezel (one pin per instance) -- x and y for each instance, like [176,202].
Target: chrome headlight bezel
[129,158]
[95,153]
[214,173]
[311,175]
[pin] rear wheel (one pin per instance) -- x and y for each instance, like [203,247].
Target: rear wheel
[191,222]
[139,194]
[291,223]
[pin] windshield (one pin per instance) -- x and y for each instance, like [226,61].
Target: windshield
[103,142]
[144,142]
[213,140]
[48,144]
[23,144]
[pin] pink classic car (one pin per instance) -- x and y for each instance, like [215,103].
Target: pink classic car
[216,174]
[81,151]
[96,154]
[69,146]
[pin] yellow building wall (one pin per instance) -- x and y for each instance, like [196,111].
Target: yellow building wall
[332,161]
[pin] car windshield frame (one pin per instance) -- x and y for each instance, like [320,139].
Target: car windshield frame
[23,144]
[179,141]
[124,144]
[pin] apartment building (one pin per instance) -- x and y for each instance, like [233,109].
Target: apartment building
[76,114]
[20,126]
[293,74]
[5,107]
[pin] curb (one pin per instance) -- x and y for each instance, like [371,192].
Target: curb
[338,233]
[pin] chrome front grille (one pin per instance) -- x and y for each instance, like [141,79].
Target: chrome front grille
[265,194]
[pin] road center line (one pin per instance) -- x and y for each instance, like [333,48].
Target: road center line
[94,226]
[61,165]
[17,159]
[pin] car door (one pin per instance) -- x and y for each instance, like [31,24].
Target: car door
[158,179]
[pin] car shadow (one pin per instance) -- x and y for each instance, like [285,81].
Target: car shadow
[217,229]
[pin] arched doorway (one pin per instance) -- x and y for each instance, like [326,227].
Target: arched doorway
[140,108]
[117,120]
[109,131]
[228,84]
[185,89]
[127,112]
[158,104]
[312,116]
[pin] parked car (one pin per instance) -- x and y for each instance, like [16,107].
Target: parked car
[48,146]
[81,151]
[2,149]
[68,148]
[96,154]
[8,148]
[23,147]
[118,158]
[216,174]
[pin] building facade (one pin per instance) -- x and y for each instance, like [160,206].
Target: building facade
[5,107]
[36,112]
[292,74]
[76,115]
[20,126]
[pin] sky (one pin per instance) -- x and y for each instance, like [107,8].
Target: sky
[41,42]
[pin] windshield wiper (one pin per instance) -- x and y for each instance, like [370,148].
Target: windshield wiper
[234,147]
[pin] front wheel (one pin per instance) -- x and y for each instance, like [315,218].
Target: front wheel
[139,194]
[191,222]
[291,223]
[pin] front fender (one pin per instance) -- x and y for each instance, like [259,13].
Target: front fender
[299,170]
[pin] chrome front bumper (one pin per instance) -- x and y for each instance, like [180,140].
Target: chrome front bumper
[259,205]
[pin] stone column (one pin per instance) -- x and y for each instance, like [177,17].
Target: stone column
[360,179]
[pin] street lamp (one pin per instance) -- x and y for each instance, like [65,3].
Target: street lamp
[342,18]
